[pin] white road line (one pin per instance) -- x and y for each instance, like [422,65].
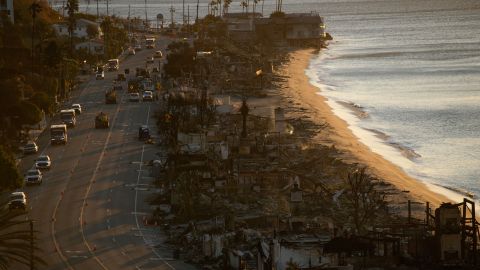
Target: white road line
[136,199]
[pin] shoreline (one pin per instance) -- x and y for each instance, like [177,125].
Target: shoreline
[338,133]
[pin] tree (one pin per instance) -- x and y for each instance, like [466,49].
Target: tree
[226,5]
[16,240]
[72,7]
[11,178]
[363,201]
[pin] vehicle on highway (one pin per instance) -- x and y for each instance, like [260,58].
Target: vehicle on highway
[150,43]
[147,85]
[158,54]
[131,51]
[101,120]
[147,96]
[68,117]
[58,134]
[18,200]
[121,77]
[134,97]
[77,107]
[113,64]
[150,60]
[30,148]
[111,96]
[43,162]
[33,176]
[100,75]
[138,47]
[143,132]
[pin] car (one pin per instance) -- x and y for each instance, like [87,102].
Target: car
[77,107]
[33,176]
[155,70]
[100,75]
[147,96]
[143,133]
[131,51]
[18,200]
[158,54]
[134,97]
[43,162]
[30,148]
[150,59]
[138,47]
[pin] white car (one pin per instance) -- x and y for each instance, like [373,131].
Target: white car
[147,96]
[43,162]
[131,51]
[77,107]
[18,200]
[158,54]
[134,97]
[30,148]
[100,75]
[33,176]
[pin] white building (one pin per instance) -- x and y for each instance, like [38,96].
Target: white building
[80,29]
[6,7]
[92,46]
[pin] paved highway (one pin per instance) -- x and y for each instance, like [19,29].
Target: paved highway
[90,207]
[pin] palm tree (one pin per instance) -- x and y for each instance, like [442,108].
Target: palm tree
[17,242]
[72,7]
[226,5]
[244,5]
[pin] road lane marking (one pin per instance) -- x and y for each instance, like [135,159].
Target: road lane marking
[136,198]
[92,180]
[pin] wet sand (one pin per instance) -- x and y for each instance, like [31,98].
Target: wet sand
[337,133]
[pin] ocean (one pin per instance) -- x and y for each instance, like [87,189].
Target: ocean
[404,74]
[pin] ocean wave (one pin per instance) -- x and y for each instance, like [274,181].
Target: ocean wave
[406,151]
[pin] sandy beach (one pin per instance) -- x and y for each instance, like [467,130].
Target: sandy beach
[336,132]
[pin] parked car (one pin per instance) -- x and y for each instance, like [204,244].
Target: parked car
[134,97]
[30,148]
[155,70]
[33,176]
[147,96]
[138,47]
[150,60]
[18,200]
[131,51]
[77,107]
[43,162]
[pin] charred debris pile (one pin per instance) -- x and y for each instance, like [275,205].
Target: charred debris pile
[240,185]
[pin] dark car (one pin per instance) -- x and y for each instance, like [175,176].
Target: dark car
[143,133]
[121,77]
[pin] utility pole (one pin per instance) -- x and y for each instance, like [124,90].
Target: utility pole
[172,10]
[146,18]
[183,12]
[98,14]
[107,8]
[198,3]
